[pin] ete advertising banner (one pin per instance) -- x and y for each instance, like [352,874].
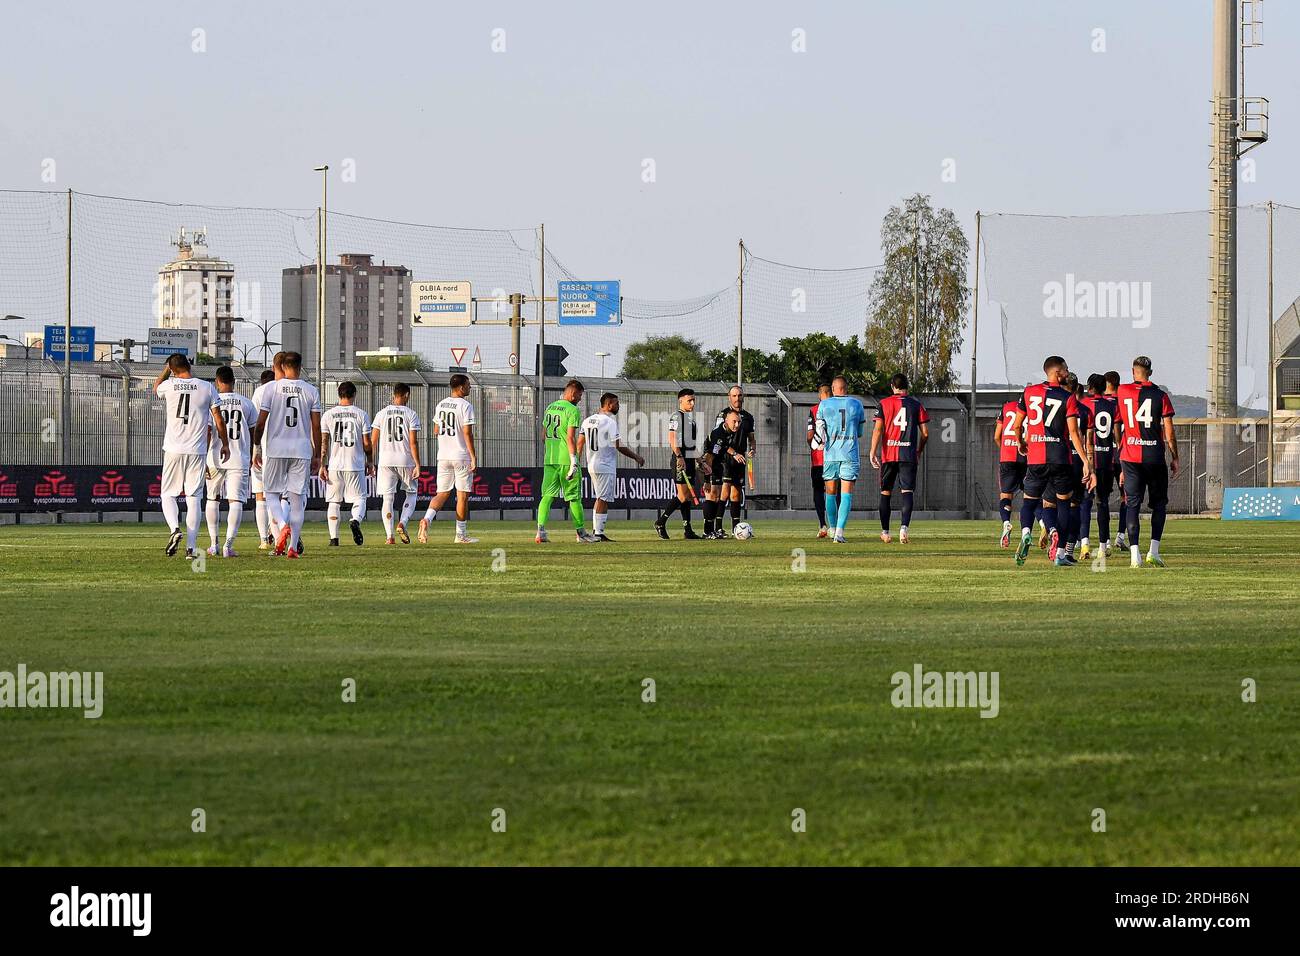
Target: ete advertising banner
[137,488]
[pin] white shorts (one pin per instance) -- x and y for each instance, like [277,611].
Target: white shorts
[231,484]
[604,485]
[454,474]
[389,479]
[349,486]
[183,475]
[286,476]
[256,476]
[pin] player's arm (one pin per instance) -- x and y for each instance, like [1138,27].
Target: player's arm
[812,429]
[925,437]
[468,432]
[258,430]
[315,440]
[628,452]
[877,431]
[1167,424]
[219,424]
[373,451]
[325,453]
[1076,439]
[162,377]
[1018,428]
[413,439]
[571,440]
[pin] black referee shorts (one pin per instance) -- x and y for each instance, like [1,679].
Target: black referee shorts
[679,475]
[726,468]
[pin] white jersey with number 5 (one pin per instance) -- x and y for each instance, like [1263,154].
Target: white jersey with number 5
[289,404]
[346,426]
[240,416]
[450,418]
[601,433]
[189,404]
[395,424]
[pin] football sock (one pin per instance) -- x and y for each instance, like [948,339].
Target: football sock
[1004,509]
[1103,520]
[884,511]
[332,520]
[171,511]
[1134,526]
[1135,552]
[1049,520]
[212,511]
[1157,522]
[907,509]
[193,515]
[234,517]
[544,510]
[575,509]
[1154,547]
[359,510]
[274,514]
[462,528]
[833,509]
[685,508]
[297,514]
[1085,519]
[735,514]
[819,502]
[598,520]
[707,508]
[1027,509]
[388,513]
[430,514]
[408,507]
[259,509]
[846,505]
[1075,518]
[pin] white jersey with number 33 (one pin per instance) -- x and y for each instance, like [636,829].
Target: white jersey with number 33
[240,416]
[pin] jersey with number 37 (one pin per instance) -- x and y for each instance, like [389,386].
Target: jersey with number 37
[1048,410]
[395,424]
[450,418]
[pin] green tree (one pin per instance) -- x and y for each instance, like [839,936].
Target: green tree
[810,360]
[760,366]
[665,357]
[203,358]
[399,363]
[925,253]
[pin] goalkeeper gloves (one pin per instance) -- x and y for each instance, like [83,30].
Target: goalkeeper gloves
[573,467]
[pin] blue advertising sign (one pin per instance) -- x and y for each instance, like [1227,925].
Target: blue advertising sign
[83,343]
[589,303]
[1261,504]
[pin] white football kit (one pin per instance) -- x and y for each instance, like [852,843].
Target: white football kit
[600,432]
[394,461]
[289,404]
[450,418]
[189,404]
[230,480]
[346,426]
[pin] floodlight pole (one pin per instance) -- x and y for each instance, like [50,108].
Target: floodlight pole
[66,424]
[539,445]
[740,319]
[321,255]
[974,350]
[1272,368]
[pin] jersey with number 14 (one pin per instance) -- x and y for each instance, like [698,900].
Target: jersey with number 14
[1143,408]
[1048,410]
[561,415]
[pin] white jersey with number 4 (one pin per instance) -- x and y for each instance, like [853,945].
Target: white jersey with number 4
[395,424]
[450,418]
[346,426]
[601,433]
[289,404]
[189,403]
[240,416]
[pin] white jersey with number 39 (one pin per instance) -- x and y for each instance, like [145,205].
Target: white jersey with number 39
[450,418]
[601,434]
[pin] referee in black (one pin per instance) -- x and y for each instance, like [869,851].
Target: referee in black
[683,442]
[730,477]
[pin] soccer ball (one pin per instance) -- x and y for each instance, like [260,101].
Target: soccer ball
[742,531]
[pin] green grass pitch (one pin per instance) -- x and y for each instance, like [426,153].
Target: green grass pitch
[521,689]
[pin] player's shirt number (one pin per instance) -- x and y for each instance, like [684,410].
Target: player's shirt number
[1143,414]
[234,422]
[900,421]
[551,426]
[593,434]
[345,434]
[183,408]
[396,429]
[291,413]
[1008,431]
[1036,410]
[1101,425]
[447,423]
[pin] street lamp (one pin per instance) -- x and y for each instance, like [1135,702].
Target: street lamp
[266,332]
[322,236]
[27,349]
[13,318]
[602,356]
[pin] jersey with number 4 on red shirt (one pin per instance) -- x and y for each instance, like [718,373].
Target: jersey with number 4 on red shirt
[903,417]
[1048,410]
[1143,407]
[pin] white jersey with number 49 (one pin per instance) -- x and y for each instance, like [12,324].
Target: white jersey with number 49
[450,418]
[189,403]
[240,416]
[601,433]
[395,424]
[289,404]
[346,426]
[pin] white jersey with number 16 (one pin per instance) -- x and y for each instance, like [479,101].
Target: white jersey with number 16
[395,424]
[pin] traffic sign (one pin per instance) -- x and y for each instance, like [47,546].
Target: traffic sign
[552,361]
[167,342]
[514,359]
[441,304]
[458,355]
[589,303]
[83,343]
[478,356]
